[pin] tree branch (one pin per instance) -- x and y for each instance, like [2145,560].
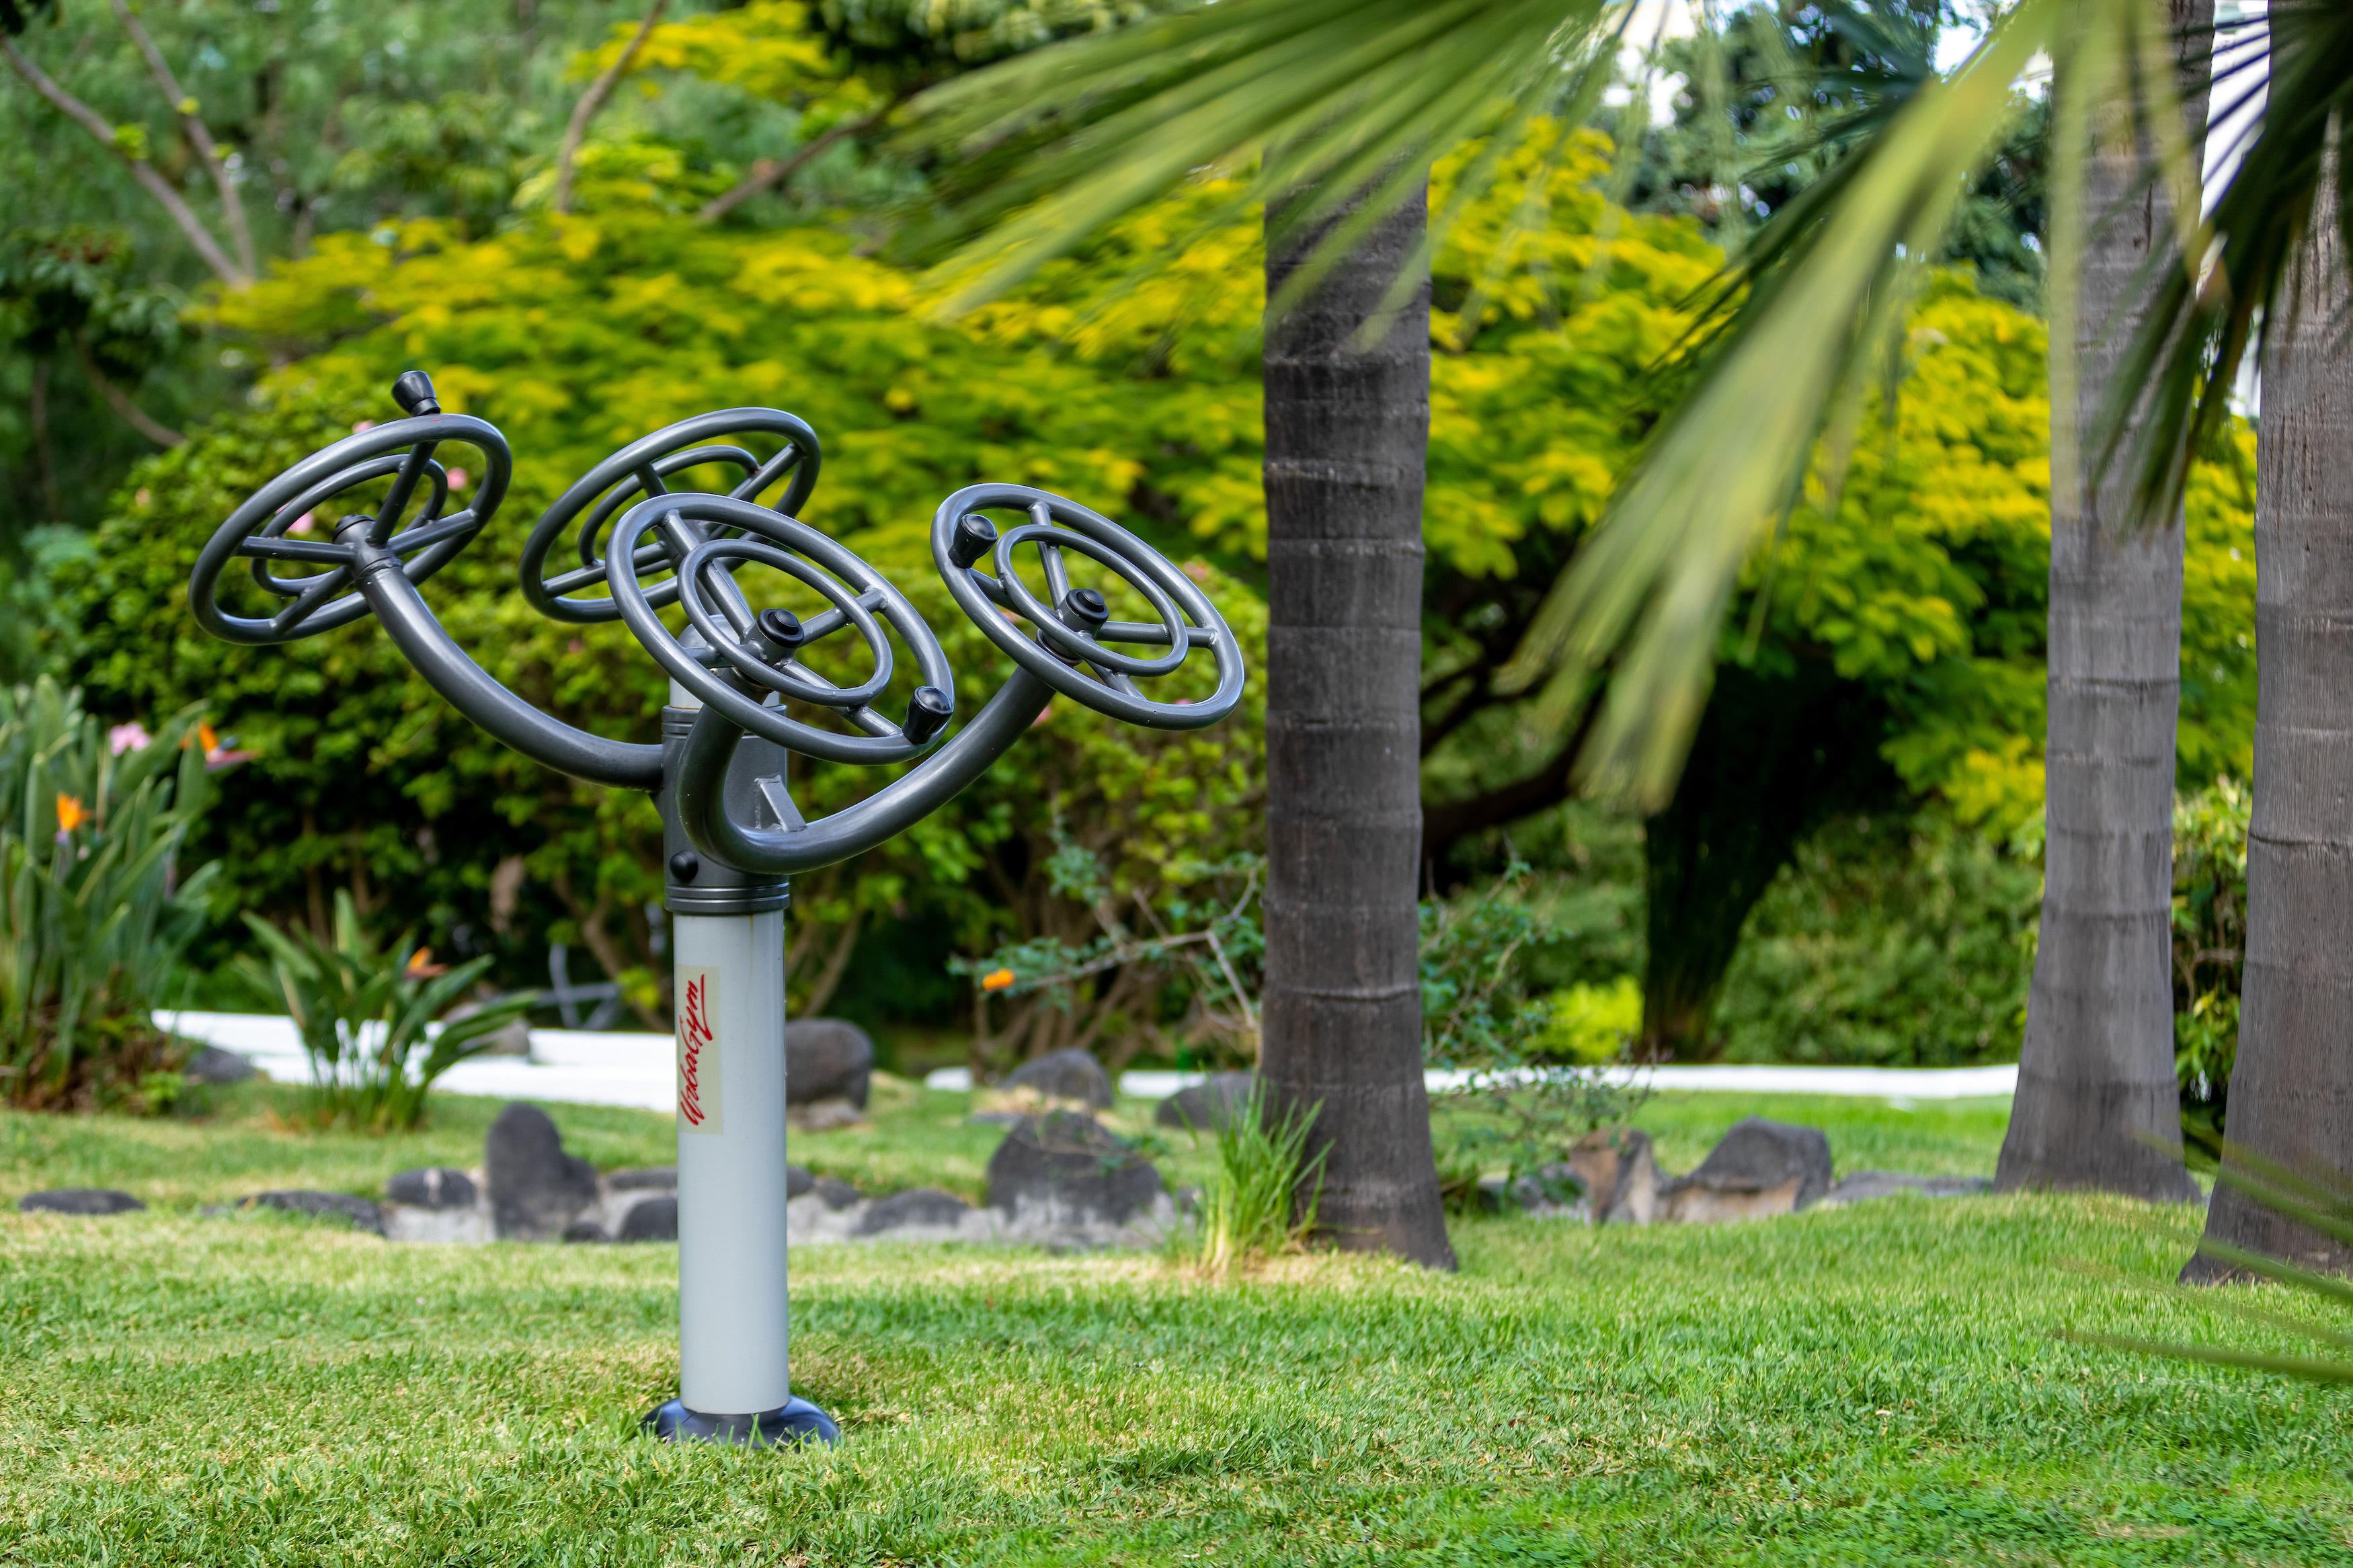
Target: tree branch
[1447,823]
[837,963]
[120,401]
[1458,713]
[769,172]
[592,101]
[183,105]
[183,216]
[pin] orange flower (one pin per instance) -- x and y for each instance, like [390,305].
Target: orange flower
[997,980]
[71,812]
[207,738]
[422,967]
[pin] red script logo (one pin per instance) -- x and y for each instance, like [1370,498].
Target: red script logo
[694,1039]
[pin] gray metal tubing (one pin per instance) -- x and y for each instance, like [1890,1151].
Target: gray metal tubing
[508,719]
[710,745]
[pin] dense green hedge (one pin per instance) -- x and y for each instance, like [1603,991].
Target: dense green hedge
[362,778]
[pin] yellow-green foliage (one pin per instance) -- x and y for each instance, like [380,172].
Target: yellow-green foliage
[577,333]
[1931,579]
[1592,1023]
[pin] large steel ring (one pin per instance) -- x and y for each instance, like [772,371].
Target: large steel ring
[764,647]
[1068,645]
[636,471]
[269,528]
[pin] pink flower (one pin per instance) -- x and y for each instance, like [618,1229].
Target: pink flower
[301,524]
[362,424]
[458,479]
[131,737]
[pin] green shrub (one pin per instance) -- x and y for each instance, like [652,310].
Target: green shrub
[577,335]
[93,913]
[363,780]
[1522,1106]
[1592,1024]
[366,1012]
[1177,965]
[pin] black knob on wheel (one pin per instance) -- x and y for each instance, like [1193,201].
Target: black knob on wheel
[414,391]
[783,630]
[927,713]
[974,537]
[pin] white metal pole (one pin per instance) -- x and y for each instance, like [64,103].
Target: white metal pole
[731,1319]
[727,949]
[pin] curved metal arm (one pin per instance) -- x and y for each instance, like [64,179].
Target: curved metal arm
[470,689]
[710,745]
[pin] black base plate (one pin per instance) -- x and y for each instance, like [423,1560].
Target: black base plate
[798,1422]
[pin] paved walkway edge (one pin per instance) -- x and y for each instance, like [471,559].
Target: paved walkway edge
[574,1067]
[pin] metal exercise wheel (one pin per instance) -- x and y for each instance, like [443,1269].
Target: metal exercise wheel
[1071,643]
[640,470]
[289,523]
[764,649]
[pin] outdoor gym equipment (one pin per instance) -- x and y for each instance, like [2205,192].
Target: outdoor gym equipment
[741,697]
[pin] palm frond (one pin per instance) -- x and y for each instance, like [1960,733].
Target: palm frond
[2312,1369]
[1814,301]
[2287,77]
[1340,105]
[2322,1202]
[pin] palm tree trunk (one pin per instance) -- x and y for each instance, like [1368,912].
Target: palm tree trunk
[1346,433]
[2291,1087]
[2096,1103]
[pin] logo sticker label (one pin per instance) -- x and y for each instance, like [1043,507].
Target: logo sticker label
[699,1102]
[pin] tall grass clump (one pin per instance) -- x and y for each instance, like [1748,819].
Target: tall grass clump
[369,1016]
[94,913]
[1264,1195]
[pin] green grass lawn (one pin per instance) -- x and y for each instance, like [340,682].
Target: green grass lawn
[1879,1385]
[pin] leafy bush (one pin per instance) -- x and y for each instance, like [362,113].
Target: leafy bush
[2210,942]
[1901,940]
[1520,1107]
[576,335]
[364,1012]
[1592,1024]
[93,913]
[1189,978]
[1265,1195]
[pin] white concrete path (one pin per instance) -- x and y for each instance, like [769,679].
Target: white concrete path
[1885,1083]
[565,1065]
[577,1068]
